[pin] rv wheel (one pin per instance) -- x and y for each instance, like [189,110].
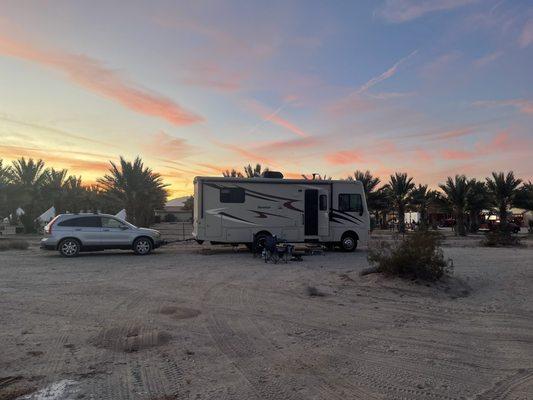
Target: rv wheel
[259,241]
[348,243]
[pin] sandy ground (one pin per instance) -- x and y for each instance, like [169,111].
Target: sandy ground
[191,324]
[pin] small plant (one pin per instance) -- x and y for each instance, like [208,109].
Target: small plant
[10,244]
[314,292]
[170,218]
[500,237]
[418,256]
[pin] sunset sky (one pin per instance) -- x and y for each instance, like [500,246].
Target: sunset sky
[432,88]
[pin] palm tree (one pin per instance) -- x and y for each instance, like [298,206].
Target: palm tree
[74,194]
[5,186]
[456,191]
[524,196]
[232,174]
[54,188]
[316,177]
[421,199]
[399,188]
[477,199]
[382,203]
[254,172]
[370,183]
[28,178]
[136,188]
[503,189]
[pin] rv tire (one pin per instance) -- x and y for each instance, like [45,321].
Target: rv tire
[348,242]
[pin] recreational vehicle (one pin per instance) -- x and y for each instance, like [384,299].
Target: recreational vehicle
[241,210]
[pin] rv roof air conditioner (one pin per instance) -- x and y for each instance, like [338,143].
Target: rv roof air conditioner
[272,175]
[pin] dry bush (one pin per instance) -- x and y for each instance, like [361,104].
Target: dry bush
[314,292]
[500,237]
[13,244]
[418,256]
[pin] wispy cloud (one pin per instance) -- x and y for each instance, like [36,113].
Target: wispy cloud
[274,117]
[526,37]
[523,105]
[406,10]
[488,58]
[500,143]
[385,75]
[165,145]
[51,130]
[63,159]
[94,76]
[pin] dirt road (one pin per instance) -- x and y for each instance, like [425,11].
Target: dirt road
[223,325]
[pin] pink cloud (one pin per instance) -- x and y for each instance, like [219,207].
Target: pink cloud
[526,37]
[273,117]
[488,58]
[163,144]
[344,157]
[288,145]
[523,105]
[248,156]
[499,143]
[407,10]
[94,76]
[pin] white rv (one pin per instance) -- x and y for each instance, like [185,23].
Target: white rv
[235,210]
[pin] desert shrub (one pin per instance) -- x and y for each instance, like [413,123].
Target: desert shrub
[500,237]
[314,292]
[417,256]
[10,244]
[170,218]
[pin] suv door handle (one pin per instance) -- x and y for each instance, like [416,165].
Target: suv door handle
[105,230]
[78,229]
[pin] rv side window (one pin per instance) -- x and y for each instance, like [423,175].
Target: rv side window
[231,195]
[323,202]
[350,202]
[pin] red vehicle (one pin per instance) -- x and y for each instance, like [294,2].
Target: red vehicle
[495,225]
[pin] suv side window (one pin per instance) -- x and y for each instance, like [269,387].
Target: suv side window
[81,222]
[111,223]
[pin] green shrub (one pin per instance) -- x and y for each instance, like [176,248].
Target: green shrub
[13,244]
[418,256]
[500,237]
[170,218]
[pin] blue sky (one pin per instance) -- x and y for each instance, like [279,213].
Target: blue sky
[432,88]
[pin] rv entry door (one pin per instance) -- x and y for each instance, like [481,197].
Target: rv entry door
[311,212]
[323,212]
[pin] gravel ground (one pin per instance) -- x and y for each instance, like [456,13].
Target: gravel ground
[185,323]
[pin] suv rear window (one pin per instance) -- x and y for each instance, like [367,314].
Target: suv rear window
[82,222]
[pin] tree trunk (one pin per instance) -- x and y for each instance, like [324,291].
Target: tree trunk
[460,223]
[401,219]
[503,215]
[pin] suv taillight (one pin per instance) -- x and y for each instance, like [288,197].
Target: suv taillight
[48,227]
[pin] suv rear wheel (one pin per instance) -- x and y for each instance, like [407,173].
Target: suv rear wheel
[142,246]
[69,247]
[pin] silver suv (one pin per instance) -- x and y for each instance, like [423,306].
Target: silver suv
[72,233]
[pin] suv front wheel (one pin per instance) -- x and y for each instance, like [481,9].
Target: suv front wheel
[142,246]
[69,247]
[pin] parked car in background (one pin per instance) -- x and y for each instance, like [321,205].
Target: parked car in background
[495,225]
[72,233]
